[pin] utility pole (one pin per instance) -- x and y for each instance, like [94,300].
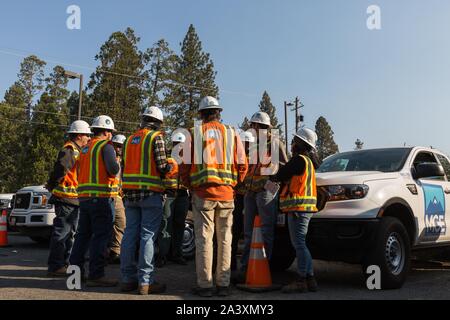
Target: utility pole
[298,117]
[286,105]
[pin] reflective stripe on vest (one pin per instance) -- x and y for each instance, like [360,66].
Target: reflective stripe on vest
[224,173]
[300,194]
[94,180]
[67,188]
[140,172]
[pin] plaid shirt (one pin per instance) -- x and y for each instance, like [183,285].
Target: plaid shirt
[159,151]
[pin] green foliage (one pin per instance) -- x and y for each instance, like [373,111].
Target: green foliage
[266,106]
[325,143]
[194,78]
[245,125]
[118,84]
[31,78]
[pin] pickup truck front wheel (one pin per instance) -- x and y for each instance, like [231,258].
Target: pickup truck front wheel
[391,252]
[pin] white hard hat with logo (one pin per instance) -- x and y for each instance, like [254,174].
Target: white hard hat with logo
[120,139]
[307,135]
[153,112]
[261,118]
[79,127]
[247,136]
[209,103]
[178,137]
[103,122]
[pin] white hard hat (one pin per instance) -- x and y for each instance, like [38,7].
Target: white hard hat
[261,117]
[120,139]
[103,122]
[80,127]
[178,137]
[153,112]
[247,136]
[209,103]
[307,135]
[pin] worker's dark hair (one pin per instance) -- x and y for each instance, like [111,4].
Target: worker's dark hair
[99,131]
[208,115]
[301,147]
[150,122]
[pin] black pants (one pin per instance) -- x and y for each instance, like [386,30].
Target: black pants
[238,226]
[61,242]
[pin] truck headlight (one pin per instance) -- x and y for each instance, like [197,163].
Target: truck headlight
[40,201]
[346,192]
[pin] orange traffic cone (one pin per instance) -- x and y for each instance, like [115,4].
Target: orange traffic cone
[3,230]
[258,277]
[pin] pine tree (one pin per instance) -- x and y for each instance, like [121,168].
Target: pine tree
[359,145]
[194,78]
[325,143]
[266,106]
[162,62]
[245,125]
[13,136]
[118,84]
[49,125]
[31,78]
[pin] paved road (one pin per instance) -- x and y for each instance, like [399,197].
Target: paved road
[23,276]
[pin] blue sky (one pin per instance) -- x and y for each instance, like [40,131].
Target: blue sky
[387,87]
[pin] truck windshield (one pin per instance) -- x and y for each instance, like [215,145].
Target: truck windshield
[384,160]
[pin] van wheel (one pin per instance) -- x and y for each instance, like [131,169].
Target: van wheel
[392,253]
[189,240]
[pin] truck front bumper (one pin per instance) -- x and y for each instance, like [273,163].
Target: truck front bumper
[346,240]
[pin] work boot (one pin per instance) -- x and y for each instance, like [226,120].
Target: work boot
[298,286]
[312,284]
[128,286]
[102,282]
[223,291]
[202,292]
[143,289]
[61,272]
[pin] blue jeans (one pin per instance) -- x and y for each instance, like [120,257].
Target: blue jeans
[93,234]
[143,222]
[298,228]
[61,242]
[264,204]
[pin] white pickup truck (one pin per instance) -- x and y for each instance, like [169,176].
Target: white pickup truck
[32,215]
[379,207]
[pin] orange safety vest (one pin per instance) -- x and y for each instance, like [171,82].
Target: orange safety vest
[93,178]
[172,179]
[301,192]
[254,180]
[67,188]
[139,165]
[218,140]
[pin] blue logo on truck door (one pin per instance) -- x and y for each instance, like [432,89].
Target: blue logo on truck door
[434,210]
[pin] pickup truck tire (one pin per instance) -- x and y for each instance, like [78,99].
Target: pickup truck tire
[188,245]
[392,253]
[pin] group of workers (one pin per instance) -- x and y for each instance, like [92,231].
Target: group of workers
[228,178]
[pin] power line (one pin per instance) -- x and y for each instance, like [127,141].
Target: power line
[2,50]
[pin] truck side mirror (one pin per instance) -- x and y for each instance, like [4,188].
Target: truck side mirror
[427,170]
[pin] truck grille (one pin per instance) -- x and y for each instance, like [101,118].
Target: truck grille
[22,200]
